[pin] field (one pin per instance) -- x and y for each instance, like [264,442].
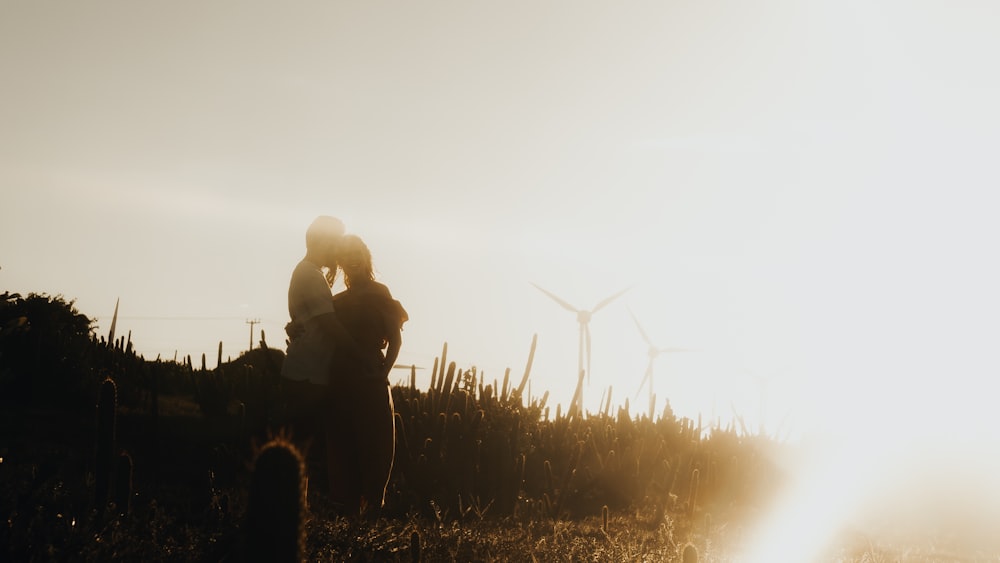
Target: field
[188,498]
[105,455]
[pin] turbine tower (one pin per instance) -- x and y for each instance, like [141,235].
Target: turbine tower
[583,317]
[654,351]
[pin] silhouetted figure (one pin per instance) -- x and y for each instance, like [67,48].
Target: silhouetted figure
[316,335]
[361,439]
[310,307]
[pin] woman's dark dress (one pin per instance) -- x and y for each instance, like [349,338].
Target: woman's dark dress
[361,437]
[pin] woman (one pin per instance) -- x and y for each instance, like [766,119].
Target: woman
[361,436]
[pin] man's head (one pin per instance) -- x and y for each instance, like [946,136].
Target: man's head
[322,238]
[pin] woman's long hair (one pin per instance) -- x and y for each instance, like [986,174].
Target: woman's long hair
[354,254]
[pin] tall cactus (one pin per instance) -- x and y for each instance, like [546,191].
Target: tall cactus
[274,527]
[527,368]
[415,547]
[105,457]
[693,492]
[123,484]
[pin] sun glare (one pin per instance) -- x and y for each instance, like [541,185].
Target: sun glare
[826,486]
[886,471]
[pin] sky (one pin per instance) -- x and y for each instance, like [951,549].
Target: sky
[800,194]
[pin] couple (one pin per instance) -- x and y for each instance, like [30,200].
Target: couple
[335,366]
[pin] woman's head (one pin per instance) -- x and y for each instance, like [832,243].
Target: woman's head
[355,260]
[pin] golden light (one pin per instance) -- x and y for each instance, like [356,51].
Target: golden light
[903,467]
[824,491]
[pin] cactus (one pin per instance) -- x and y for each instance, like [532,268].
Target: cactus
[444,361]
[527,368]
[415,547]
[114,321]
[123,483]
[690,554]
[505,389]
[693,492]
[154,396]
[446,389]
[241,415]
[463,445]
[274,527]
[104,461]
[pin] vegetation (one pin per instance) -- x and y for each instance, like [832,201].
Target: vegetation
[105,455]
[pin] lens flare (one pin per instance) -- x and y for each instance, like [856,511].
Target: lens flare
[828,482]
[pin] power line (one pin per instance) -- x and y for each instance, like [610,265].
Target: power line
[269,321]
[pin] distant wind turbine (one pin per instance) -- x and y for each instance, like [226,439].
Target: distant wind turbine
[582,317]
[762,384]
[654,352]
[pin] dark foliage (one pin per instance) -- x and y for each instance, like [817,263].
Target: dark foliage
[471,456]
[46,350]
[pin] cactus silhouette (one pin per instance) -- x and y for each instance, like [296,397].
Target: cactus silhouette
[105,457]
[123,484]
[415,547]
[274,526]
[693,492]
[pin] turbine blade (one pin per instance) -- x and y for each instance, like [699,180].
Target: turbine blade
[587,333]
[642,332]
[649,372]
[607,300]
[555,298]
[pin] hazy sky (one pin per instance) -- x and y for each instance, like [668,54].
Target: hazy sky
[790,189]
[799,191]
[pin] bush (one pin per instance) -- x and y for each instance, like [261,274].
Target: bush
[46,350]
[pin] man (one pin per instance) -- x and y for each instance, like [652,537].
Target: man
[314,328]
[315,333]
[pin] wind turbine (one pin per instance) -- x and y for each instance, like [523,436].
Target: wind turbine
[654,351]
[583,317]
[763,382]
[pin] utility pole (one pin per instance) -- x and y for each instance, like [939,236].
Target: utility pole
[252,322]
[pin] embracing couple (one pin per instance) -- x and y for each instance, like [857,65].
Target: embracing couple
[340,351]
